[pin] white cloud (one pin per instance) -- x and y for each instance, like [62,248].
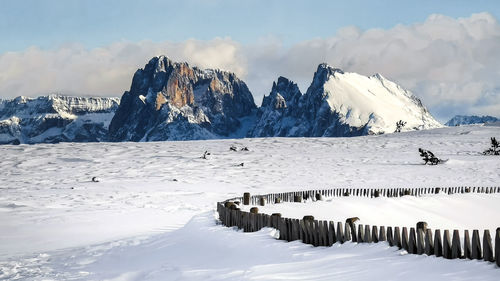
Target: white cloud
[104,71]
[452,64]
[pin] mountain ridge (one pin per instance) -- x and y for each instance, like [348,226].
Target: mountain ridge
[171,100]
[458,120]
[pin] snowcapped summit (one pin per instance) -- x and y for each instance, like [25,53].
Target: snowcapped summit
[375,102]
[339,103]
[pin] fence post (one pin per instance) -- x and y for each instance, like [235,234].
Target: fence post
[467,248]
[246,198]
[438,245]
[456,249]
[477,253]
[487,248]
[262,201]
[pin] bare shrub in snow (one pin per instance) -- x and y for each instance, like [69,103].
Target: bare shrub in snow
[494,149]
[399,125]
[429,157]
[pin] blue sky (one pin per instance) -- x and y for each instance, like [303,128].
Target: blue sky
[50,23]
[445,52]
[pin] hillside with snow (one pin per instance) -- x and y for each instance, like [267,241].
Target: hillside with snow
[459,120]
[152,214]
[55,118]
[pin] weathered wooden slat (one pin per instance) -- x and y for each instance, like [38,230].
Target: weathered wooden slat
[467,247]
[429,244]
[390,236]
[332,237]
[456,249]
[367,236]
[412,242]
[381,235]
[446,244]
[438,245]
[477,250]
[420,242]
[326,241]
[340,233]
[487,247]
[374,234]
[404,238]
[361,234]
[347,232]
[316,233]
[303,232]
[397,237]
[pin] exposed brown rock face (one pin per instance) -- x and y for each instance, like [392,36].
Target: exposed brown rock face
[160,100]
[179,93]
[168,98]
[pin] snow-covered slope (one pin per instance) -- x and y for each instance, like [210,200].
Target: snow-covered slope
[55,118]
[470,119]
[151,216]
[340,104]
[173,101]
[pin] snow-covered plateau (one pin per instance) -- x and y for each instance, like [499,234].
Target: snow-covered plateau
[151,215]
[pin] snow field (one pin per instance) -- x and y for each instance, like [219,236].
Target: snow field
[151,216]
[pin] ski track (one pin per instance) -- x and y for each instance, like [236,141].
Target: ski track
[151,215]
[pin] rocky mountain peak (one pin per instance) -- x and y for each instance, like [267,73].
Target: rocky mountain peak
[165,94]
[284,93]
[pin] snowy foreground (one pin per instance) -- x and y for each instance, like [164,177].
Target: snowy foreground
[151,216]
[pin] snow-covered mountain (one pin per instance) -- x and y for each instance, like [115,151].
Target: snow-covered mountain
[173,101]
[55,118]
[339,104]
[470,119]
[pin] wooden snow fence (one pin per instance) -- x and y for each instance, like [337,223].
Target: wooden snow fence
[454,245]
